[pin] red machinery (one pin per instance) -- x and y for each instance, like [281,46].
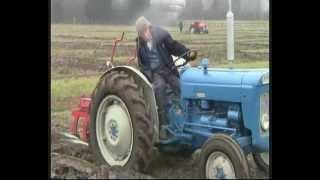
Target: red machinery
[79,125]
[198,27]
[81,119]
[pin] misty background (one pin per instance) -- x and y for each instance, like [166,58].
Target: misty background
[158,11]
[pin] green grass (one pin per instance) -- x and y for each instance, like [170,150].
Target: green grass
[65,93]
[72,87]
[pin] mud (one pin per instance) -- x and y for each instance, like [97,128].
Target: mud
[72,158]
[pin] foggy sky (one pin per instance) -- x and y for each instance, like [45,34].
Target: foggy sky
[159,10]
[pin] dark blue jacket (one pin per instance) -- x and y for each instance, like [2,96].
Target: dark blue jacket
[166,47]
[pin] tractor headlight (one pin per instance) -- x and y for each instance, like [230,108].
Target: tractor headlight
[264,111]
[265,122]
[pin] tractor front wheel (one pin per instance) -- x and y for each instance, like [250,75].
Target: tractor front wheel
[222,158]
[262,161]
[121,131]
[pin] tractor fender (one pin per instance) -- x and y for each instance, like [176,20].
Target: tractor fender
[148,93]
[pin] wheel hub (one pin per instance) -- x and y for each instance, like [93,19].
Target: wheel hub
[114,131]
[219,166]
[220,174]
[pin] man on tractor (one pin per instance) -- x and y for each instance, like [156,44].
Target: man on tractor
[154,49]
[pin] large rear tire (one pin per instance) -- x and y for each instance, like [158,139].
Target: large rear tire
[121,130]
[222,157]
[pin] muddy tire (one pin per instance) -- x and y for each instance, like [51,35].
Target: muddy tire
[121,130]
[261,162]
[222,157]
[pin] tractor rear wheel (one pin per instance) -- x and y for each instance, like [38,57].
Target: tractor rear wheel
[262,161]
[121,130]
[222,158]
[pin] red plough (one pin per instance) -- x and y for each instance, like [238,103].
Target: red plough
[80,120]
[79,125]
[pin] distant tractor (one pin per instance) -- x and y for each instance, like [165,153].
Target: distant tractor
[198,27]
[222,112]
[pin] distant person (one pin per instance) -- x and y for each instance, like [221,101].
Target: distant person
[180,26]
[154,49]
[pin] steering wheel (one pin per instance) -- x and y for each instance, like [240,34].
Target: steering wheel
[187,60]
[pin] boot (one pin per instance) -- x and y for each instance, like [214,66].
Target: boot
[163,132]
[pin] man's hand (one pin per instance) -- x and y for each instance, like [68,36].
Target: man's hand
[192,55]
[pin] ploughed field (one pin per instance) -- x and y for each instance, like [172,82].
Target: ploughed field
[77,53]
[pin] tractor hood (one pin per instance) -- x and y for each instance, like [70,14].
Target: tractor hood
[221,83]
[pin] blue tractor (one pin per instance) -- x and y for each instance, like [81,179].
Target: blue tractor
[222,112]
